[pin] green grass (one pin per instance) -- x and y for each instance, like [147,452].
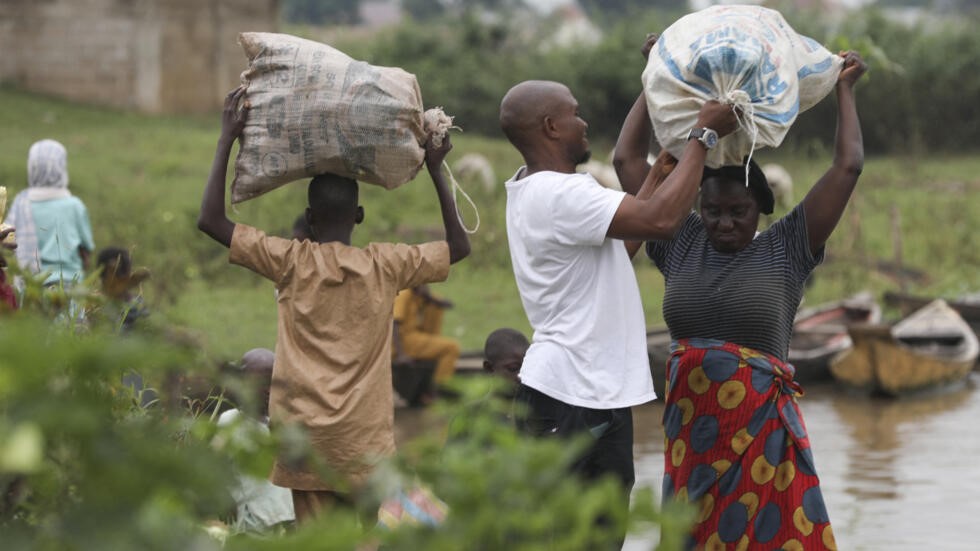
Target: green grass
[142,176]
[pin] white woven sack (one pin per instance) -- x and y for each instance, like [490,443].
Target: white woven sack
[314,110]
[743,55]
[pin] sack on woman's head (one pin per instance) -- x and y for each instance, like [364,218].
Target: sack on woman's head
[745,55]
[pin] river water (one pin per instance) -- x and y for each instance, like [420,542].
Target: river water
[896,474]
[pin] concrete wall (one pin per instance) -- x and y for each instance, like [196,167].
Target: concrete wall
[158,56]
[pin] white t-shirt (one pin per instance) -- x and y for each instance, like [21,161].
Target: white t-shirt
[579,292]
[261,504]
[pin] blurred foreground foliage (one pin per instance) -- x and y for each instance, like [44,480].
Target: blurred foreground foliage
[83,463]
[91,459]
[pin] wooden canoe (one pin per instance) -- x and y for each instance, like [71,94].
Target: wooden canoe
[967,307]
[820,333]
[470,362]
[930,348]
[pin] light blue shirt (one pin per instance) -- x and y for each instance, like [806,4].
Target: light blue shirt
[62,227]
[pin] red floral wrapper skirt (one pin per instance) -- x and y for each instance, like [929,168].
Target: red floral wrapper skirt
[737,449]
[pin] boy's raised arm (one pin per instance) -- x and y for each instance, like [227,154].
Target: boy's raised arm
[213,220]
[459,242]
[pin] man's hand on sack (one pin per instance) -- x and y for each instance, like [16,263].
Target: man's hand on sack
[717,116]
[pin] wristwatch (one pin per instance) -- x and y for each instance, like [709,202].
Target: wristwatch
[707,137]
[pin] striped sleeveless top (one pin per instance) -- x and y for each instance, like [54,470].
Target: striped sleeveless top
[750,297]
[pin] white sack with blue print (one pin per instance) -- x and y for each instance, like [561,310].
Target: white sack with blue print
[744,55]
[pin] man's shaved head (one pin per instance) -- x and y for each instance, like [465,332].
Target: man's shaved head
[524,107]
[541,120]
[258,361]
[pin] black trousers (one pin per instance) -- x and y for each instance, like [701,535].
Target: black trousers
[611,451]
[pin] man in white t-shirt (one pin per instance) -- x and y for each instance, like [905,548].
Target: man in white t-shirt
[587,364]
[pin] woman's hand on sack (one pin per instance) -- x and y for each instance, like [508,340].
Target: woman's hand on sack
[648,44]
[853,68]
[234,115]
[718,116]
[434,155]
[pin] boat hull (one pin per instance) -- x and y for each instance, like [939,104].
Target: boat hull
[884,360]
[820,334]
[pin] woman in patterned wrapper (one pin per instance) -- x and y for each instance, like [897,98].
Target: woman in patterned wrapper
[736,444]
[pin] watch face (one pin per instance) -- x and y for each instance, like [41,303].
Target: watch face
[710,139]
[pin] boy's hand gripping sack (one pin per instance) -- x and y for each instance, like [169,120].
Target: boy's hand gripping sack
[313,110]
[747,56]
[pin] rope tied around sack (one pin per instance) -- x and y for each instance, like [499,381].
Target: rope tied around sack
[437,124]
[742,103]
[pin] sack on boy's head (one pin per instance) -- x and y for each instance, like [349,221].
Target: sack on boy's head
[746,55]
[313,109]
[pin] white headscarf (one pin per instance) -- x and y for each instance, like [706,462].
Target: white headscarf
[47,171]
[47,179]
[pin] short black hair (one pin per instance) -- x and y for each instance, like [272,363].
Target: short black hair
[115,256]
[501,341]
[332,195]
[758,184]
[302,227]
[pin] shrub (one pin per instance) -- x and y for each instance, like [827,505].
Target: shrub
[88,462]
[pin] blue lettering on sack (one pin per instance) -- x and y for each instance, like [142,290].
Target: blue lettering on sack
[815,68]
[730,50]
[767,65]
[674,70]
[782,118]
[776,86]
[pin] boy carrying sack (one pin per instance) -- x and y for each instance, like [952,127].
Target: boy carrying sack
[332,373]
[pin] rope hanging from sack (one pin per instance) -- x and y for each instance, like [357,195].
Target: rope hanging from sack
[742,103]
[437,125]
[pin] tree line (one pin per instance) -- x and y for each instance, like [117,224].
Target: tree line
[919,95]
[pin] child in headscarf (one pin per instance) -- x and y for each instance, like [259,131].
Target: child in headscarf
[53,230]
